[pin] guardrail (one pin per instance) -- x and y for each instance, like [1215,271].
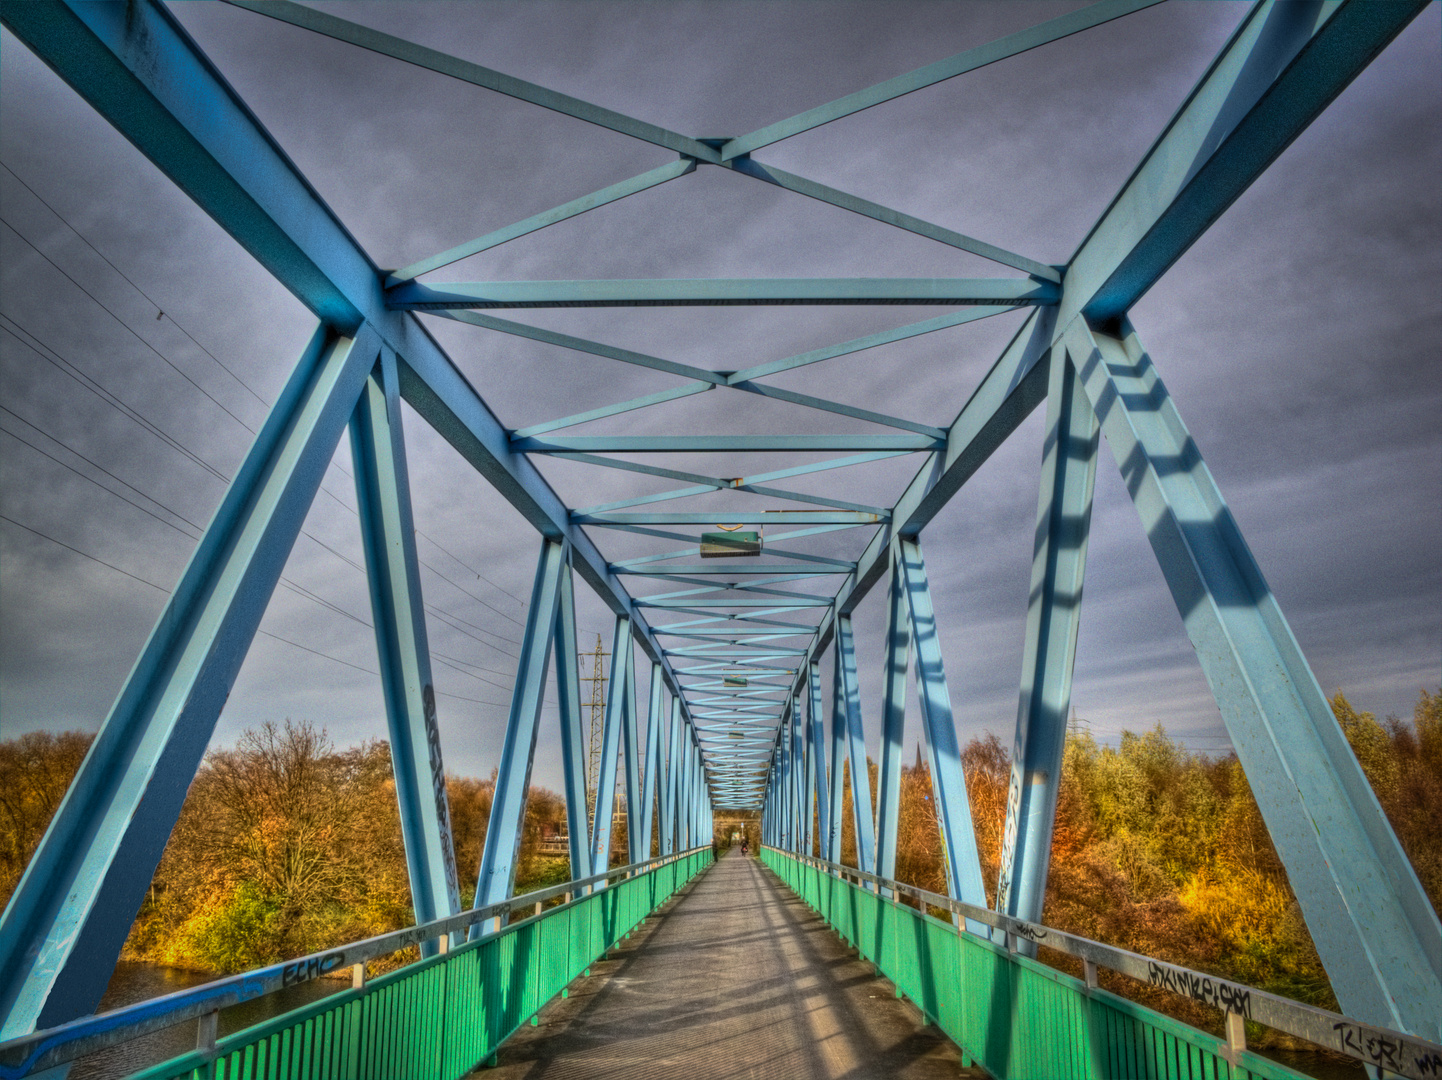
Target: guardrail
[356,1033]
[1088,1031]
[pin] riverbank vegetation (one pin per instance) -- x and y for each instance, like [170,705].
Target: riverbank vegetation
[288,845]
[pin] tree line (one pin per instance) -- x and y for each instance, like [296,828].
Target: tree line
[288,845]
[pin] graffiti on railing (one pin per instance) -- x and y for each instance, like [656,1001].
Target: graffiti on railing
[1209,991]
[1385,1050]
[312,967]
[1028,931]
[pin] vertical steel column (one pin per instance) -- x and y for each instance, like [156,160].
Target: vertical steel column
[783,779]
[383,501]
[838,763]
[1375,930]
[849,690]
[816,724]
[653,761]
[573,736]
[801,826]
[68,918]
[808,782]
[670,812]
[948,780]
[513,773]
[893,720]
[1058,565]
[610,745]
[632,760]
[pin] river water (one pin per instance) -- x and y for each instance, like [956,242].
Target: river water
[140,982]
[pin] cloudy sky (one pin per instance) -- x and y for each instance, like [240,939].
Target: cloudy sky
[140,345]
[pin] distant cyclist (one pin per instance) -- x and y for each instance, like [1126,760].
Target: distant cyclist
[745,847]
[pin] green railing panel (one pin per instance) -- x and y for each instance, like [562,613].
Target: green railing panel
[444,1016]
[1015,1017]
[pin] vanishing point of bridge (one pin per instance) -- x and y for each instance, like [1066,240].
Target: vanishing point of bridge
[673,963]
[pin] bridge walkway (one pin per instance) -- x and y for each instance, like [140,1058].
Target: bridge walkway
[734,978]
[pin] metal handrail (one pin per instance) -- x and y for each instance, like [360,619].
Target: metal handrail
[1406,1055]
[66,1042]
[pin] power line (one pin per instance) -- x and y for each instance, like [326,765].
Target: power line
[128,328]
[133,285]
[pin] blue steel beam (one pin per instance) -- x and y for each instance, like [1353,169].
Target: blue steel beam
[497,876]
[540,221]
[668,808]
[1052,30]
[885,214]
[573,737]
[713,292]
[1375,930]
[821,784]
[1063,521]
[139,69]
[398,49]
[1281,68]
[631,761]
[383,504]
[832,847]
[612,724]
[893,719]
[720,444]
[67,919]
[749,517]
[948,781]
[660,397]
[856,746]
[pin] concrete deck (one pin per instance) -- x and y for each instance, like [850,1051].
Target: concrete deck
[735,978]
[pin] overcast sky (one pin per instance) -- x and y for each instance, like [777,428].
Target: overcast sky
[1301,339]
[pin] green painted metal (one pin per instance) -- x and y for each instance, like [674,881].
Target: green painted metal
[444,1016]
[1011,1015]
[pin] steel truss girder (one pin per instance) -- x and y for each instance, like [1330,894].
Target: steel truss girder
[1373,926]
[398,611]
[67,919]
[1068,475]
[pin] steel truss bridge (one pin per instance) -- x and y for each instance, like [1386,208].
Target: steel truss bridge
[733,645]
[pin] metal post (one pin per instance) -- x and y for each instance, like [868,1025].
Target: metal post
[606,782]
[893,720]
[573,738]
[1376,932]
[68,917]
[861,810]
[801,826]
[948,781]
[808,780]
[398,612]
[632,762]
[1068,475]
[653,762]
[838,765]
[669,814]
[816,724]
[513,773]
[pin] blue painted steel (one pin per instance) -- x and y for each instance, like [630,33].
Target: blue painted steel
[140,70]
[673,749]
[613,722]
[893,720]
[68,917]
[800,788]
[653,761]
[573,737]
[962,62]
[848,689]
[808,780]
[464,70]
[631,760]
[1375,930]
[1063,520]
[398,610]
[831,849]
[948,781]
[866,208]
[767,517]
[820,782]
[1282,67]
[497,876]
[681,444]
[660,397]
[548,217]
[679,292]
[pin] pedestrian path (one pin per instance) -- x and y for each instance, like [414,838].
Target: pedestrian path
[736,978]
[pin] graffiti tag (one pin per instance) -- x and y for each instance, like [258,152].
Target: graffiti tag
[310,968]
[1223,995]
